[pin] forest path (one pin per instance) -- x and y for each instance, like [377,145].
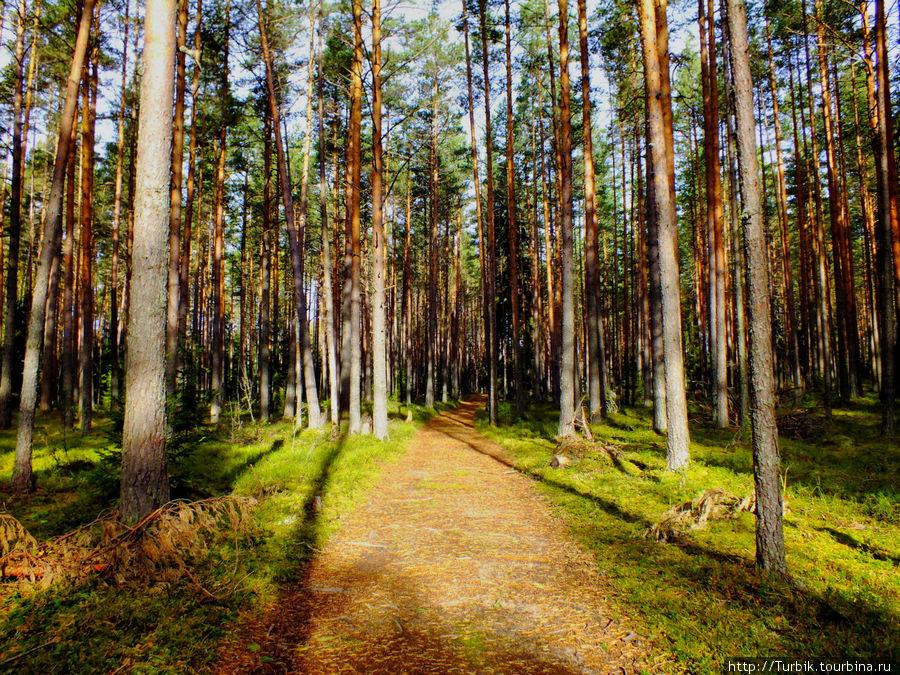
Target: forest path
[455,564]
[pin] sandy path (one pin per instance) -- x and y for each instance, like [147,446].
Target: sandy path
[454,565]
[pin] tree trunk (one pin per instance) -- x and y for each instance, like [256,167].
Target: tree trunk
[379,357]
[432,341]
[265,388]
[818,236]
[485,296]
[596,357]
[766,461]
[115,371]
[86,358]
[407,301]
[70,309]
[848,340]
[145,486]
[328,289]
[22,475]
[293,237]
[353,313]
[881,127]
[781,193]
[714,226]
[217,369]
[11,298]
[493,344]
[184,272]
[305,355]
[567,387]
[174,272]
[518,365]
[660,143]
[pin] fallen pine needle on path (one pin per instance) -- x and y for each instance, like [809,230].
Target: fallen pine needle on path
[453,565]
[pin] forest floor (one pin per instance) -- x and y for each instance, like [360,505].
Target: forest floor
[455,564]
[697,594]
[457,546]
[109,624]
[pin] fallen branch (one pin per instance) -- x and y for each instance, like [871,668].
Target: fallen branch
[715,504]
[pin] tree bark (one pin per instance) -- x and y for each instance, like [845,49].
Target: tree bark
[328,289]
[314,419]
[479,217]
[305,355]
[379,356]
[86,355]
[781,193]
[567,386]
[848,340]
[493,349]
[218,262]
[352,254]
[881,128]
[265,387]
[115,370]
[660,142]
[817,238]
[70,309]
[145,485]
[596,357]
[184,272]
[22,474]
[11,297]
[770,554]
[714,226]
[432,338]
[175,225]
[518,364]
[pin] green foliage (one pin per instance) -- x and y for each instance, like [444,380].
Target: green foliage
[701,597]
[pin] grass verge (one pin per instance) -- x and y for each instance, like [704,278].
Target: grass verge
[700,597]
[305,482]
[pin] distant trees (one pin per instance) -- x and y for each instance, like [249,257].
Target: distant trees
[449,255]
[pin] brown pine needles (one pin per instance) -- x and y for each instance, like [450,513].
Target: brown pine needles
[163,547]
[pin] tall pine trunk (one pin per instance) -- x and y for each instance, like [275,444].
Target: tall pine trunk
[490,248]
[379,336]
[217,353]
[265,353]
[353,313]
[766,461]
[22,471]
[327,316]
[714,224]
[653,38]
[145,486]
[596,356]
[567,377]
[294,241]
[518,365]
[86,354]
[11,297]
[174,272]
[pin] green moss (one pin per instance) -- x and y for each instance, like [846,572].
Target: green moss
[701,597]
[98,627]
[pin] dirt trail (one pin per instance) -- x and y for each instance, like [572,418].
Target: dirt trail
[454,565]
